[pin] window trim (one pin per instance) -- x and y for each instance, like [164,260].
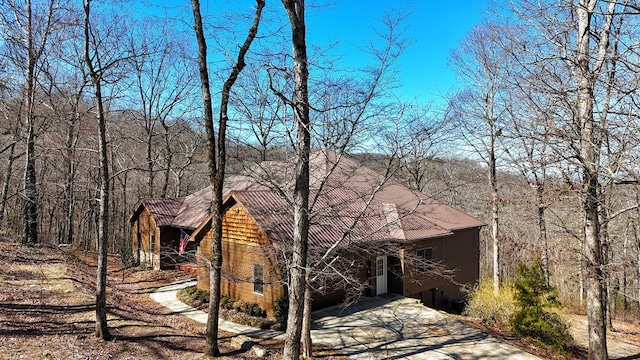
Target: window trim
[421,266]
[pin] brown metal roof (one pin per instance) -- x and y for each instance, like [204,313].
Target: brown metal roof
[197,206]
[348,201]
[353,201]
[163,210]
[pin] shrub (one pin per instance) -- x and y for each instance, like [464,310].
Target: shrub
[281,310]
[194,296]
[535,297]
[252,309]
[226,302]
[485,305]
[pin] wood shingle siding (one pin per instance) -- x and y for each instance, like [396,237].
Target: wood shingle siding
[141,231]
[242,247]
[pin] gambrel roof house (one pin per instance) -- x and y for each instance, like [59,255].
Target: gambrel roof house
[380,228]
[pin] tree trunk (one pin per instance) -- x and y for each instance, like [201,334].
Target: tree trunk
[150,169]
[102,330]
[542,229]
[5,186]
[493,181]
[636,237]
[217,161]
[30,233]
[625,301]
[168,157]
[69,188]
[590,159]
[297,268]
[307,344]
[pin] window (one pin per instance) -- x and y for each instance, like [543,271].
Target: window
[258,279]
[152,242]
[380,267]
[424,259]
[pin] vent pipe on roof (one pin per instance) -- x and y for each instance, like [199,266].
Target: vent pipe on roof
[393,221]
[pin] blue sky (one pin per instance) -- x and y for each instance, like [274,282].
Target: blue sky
[435,26]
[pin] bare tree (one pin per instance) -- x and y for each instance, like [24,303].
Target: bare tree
[103,54]
[574,50]
[11,158]
[420,137]
[347,110]
[95,72]
[217,159]
[264,112]
[164,85]
[479,109]
[300,105]
[29,35]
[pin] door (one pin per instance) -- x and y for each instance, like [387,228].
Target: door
[381,275]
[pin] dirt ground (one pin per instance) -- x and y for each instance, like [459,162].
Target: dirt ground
[623,341]
[47,311]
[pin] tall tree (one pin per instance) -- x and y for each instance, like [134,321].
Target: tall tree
[297,271]
[30,234]
[217,159]
[575,52]
[28,32]
[105,57]
[586,70]
[483,66]
[96,74]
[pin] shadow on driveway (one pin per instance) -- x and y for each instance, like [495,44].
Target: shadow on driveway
[402,328]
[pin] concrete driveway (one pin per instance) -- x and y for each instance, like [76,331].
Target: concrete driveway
[376,328]
[402,328]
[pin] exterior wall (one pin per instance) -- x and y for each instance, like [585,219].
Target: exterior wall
[335,297]
[416,283]
[243,245]
[463,254]
[141,232]
[164,254]
[459,252]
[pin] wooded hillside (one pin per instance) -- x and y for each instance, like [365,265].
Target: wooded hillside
[540,139]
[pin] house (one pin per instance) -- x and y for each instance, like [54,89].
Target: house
[385,238]
[157,225]
[151,231]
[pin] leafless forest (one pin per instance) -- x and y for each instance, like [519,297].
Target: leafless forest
[540,139]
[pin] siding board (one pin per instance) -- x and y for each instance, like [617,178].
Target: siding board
[242,247]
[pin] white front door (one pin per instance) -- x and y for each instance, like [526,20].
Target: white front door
[381,275]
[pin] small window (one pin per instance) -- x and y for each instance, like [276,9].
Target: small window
[152,242]
[258,279]
[425,256]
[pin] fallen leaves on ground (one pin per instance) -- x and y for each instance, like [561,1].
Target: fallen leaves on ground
[47,311]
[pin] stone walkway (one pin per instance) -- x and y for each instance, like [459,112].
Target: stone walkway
[376,328]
